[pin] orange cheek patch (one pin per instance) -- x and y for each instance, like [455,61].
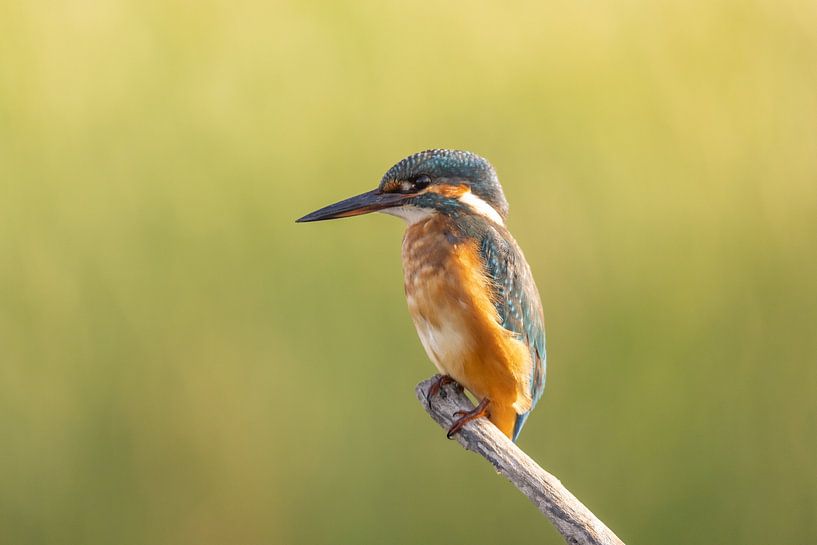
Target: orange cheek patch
[450,191]
[391,186]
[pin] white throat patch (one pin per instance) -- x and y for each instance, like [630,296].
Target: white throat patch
[412,214]
[478,206]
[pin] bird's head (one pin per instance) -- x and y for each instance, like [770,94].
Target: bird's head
[435,181]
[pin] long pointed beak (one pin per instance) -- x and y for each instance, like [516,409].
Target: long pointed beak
[371,201]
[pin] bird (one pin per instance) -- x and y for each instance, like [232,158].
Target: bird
[470,291]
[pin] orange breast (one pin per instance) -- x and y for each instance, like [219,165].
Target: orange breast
[449,298]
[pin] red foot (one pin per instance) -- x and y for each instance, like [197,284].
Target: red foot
[437,385]
[466,416]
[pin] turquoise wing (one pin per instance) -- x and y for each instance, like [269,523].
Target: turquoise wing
[517,301]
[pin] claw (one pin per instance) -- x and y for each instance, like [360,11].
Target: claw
[467,416]
[437,385]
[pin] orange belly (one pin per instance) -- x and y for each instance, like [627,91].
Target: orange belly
[449,298]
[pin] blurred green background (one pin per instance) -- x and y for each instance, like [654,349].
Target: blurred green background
[181,363]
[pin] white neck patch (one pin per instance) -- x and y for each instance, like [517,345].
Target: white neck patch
[415,214]
[480,207]
[412,214]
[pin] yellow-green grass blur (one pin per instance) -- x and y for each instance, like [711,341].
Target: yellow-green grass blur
[181,363]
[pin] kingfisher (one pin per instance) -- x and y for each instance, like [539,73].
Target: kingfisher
[470,291]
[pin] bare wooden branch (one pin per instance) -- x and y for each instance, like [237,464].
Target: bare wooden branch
[576,523]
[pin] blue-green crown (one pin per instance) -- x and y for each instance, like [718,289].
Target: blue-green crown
[453,166]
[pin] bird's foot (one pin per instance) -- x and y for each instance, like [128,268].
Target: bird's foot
[437,387]
[467,416]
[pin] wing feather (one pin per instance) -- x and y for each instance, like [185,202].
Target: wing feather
[517,302]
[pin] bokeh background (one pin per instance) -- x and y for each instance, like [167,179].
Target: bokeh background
[181,363]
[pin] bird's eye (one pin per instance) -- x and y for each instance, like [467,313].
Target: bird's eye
[422,181]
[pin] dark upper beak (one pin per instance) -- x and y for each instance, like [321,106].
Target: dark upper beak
[371,201]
